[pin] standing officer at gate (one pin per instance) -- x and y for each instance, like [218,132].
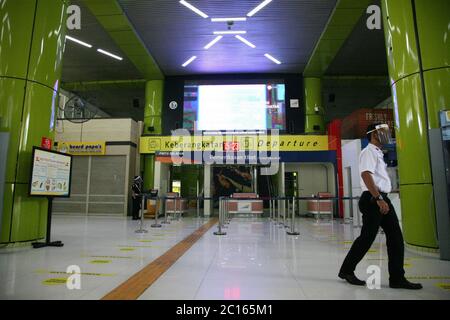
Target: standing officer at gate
[377,210]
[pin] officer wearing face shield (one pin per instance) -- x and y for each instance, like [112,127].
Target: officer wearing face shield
[377,210]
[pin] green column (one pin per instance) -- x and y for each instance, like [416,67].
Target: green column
[31,50]
[418,51]
[152,124]
[314,111]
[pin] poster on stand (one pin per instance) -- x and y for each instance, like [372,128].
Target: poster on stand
[51,174]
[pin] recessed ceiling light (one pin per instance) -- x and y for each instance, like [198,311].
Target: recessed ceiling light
[245,41]
[209,45]
[268,56]
[110,54]
[227,19]
[262,5]
[189,61]
[230,32]
[190,6]
[78,41]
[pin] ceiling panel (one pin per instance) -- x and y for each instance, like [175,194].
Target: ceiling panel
[286,29]
[363,53]
[84,64]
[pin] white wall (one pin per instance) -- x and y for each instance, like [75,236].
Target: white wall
[350,160]
[98,130]
[161,180]
[109,130]
[312,178]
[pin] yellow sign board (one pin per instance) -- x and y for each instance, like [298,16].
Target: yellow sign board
[94,148]
[234,143]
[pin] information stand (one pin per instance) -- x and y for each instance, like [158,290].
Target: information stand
[50,177]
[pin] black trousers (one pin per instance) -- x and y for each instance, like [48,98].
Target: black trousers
[372,220]
[137,202]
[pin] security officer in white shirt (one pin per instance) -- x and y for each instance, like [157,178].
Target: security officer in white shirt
[377,210]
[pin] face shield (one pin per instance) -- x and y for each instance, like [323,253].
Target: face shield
[384,134]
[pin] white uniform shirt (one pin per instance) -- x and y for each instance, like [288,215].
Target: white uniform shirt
[371,159]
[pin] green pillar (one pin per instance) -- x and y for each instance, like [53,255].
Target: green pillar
[314,111]
[418,51]
[152,124]
[31,50]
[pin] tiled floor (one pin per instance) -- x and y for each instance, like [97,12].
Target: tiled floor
[255,260]
[107,250]
[258,260]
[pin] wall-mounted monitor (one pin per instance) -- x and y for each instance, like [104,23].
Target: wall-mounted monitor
[51,174]
[243,106]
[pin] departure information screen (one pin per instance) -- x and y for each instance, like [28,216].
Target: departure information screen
[234,107]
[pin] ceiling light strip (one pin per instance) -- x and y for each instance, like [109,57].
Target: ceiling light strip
[78,41]
[209,45]
[268,56]
[110,54]
[230,32]
[245,41]
[191,7]
[262,5]
[189,61]
[227,19]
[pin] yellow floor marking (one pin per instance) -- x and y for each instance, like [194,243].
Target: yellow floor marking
[54,281]
[445,286]
[40,271]
[111,257]
[100,261]
[429,277]
[142,280]
[407,265]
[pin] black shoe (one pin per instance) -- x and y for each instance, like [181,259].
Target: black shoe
[352,279]
[404,284]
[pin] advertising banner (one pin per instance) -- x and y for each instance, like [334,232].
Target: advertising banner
[95,148]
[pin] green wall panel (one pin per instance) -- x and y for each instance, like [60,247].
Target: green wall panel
[313,99]
[27,215]
[16,24]
[340,25]
[48,43]
[28,104]
[111,16]
[153,98]
[7,209]
[189,175]
[433,21]
[314,120]
[401,46]
[418,215]
[437,86]
[40,105]
[149,171]
[411,131]
[11,102]
[154,122]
